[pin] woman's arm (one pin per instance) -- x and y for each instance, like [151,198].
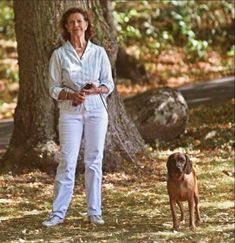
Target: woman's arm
[76,97]
[106,79]
[55,76]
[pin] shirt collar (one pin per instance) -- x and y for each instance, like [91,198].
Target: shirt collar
[69,46]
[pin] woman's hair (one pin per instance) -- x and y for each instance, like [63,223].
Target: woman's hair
[89,32]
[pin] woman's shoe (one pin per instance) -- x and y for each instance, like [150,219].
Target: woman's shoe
[52,221]
[96,219]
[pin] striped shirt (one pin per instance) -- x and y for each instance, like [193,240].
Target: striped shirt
[70,72]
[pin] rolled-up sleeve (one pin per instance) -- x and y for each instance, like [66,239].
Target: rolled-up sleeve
[106,72]
[55,74]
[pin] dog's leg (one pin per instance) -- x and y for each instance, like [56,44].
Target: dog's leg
[198,217]
[173,212]
[181,211]
[191,204]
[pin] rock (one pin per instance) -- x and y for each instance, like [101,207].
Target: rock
[159,114]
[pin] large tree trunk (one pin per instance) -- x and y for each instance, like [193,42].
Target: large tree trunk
[34,142]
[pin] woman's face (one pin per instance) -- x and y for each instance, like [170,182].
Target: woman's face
[76,25]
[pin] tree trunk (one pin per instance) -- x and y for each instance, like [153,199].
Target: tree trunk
[129,67]
[34,142]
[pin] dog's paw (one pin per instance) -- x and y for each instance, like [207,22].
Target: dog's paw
[176,228]
[193,227]
[198,222]
[182,221]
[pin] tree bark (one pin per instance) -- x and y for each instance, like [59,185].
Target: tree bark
[129,67]
[34,143]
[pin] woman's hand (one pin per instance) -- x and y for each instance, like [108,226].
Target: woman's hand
[94,90]
[78,98]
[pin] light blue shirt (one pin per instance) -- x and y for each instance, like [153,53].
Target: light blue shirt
[70,72]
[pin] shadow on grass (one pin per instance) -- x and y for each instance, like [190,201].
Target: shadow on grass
[135,201]
[135,229]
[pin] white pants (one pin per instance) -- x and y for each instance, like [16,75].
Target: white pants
[73,126]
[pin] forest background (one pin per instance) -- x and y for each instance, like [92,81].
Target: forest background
[178,43]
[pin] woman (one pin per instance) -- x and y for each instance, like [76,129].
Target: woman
[83,113]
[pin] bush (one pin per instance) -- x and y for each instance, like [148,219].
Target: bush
[7,20]
[194,25]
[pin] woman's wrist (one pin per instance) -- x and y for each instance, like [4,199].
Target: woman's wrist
[66,95]
[102,89]
[99,90]
[69,96]
[63,95]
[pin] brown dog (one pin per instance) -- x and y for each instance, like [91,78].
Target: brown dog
[182,186]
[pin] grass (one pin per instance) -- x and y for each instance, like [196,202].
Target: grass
[135,200]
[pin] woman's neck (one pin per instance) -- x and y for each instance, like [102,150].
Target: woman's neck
[78,42]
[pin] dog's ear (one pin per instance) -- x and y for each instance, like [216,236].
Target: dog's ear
[169,163]
[188,166]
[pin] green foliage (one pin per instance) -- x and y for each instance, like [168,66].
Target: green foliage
[156,25]
[130,31]
[231,52]
[7,19]
[182,24]
[196,49]
[11,74]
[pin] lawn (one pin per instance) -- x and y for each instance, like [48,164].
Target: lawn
[135,200]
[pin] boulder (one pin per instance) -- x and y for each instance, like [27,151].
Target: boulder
[158,114]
